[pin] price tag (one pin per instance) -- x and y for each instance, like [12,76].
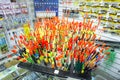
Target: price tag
[118,13]
[56,72]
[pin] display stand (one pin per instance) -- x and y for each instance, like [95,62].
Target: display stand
[113,44]
[50,71]
[42,8]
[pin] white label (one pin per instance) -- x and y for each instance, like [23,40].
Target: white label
[118,13]
[56,72]
[45,14]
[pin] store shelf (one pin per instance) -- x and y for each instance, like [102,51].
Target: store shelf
[108,43]
[104,74]
[8,59]
[69,6]
[114,74]
[4,55]
[8,71]
[108,36]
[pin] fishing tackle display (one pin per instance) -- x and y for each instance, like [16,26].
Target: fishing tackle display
[43,7]
[60,44]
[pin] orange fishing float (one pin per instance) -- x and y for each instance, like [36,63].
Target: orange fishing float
[14,51]
[66,40]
